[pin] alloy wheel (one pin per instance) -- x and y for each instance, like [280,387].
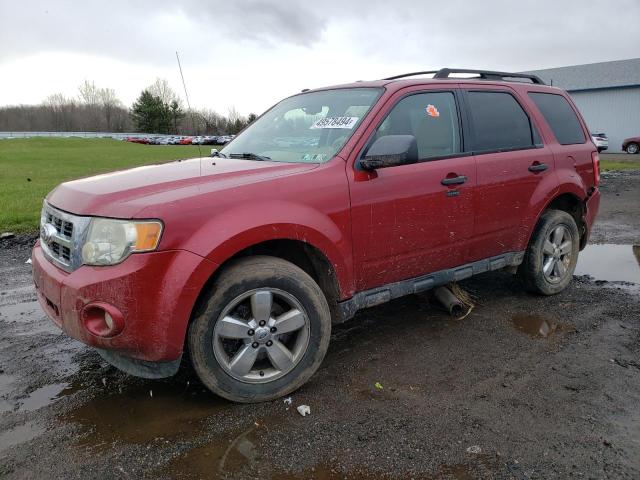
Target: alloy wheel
[557,251]
[261,335]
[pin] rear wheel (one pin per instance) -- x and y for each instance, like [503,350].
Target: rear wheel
[633,148]
[552,254]
[263,333]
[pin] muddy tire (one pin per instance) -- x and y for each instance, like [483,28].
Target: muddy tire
[262,332]
[552,254]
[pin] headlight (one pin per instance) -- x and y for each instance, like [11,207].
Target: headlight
[111,241]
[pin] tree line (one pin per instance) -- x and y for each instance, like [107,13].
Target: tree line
[158,109]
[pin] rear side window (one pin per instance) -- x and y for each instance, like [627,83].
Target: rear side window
[560,116]
[499,122]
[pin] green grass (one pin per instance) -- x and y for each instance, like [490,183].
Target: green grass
[30,168]
[606,165]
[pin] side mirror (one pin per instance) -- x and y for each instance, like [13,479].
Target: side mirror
[390,151]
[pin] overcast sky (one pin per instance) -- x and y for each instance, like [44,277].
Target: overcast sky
[251,53]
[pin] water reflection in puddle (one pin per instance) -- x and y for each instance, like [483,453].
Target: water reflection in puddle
[224,456]
[44,396]
[21,311]
[20,434]
[612,263]
[148,412]
[247,453]
[535,325]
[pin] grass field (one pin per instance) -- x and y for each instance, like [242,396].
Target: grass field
[32,167]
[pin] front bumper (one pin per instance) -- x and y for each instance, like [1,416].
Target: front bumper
[155,292]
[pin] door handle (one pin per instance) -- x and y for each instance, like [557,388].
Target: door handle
[538,167]
[460,179]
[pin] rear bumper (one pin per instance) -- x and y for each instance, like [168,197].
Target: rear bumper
[591,211]
[155,293]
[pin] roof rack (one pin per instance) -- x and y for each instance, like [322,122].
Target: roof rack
[445,73]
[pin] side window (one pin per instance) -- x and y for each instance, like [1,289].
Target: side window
[560,116]
[430,117]
[499,122]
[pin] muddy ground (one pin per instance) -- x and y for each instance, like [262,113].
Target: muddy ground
[523,387]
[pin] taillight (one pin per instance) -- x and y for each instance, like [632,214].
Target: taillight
[595,158]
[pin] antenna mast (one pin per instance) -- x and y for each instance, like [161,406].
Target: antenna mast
[184,85]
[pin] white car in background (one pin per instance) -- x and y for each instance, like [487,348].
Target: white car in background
[601,141]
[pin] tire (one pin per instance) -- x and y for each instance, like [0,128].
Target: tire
[256,368]
[633,148]
[546,270]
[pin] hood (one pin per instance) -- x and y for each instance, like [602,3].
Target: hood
[124,193]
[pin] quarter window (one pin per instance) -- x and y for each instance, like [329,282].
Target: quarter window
[499,122]
[560,116]
[431,118]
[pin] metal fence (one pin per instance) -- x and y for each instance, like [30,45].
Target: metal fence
[7,135]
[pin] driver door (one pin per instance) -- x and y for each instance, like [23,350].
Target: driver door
[405,221]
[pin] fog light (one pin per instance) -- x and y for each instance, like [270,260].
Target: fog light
[102,319]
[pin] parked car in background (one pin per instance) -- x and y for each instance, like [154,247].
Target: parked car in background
[243,263]
[601,141]
[186,140]
[631,145]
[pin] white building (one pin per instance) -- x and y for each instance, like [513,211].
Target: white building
[607,94]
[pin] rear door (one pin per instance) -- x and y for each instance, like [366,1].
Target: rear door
[405,221]
[511,164]
[572,148]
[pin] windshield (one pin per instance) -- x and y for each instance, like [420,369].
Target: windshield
[307,128]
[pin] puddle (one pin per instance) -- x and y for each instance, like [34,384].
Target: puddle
[20,434]
[21,294]
[222,457]
[611,263]
[535,325]
[5,386]
[44,396]
[241,454]
[6,381]
[144,413]
[21,312]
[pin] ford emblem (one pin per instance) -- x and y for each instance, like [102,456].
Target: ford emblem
[47,232]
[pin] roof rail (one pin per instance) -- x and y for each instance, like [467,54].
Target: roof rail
[445,73]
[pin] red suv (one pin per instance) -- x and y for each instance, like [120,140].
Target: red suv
[334,200]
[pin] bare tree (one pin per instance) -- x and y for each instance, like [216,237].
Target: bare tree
[60,110]
[110,105]
[90,97]
[89,93]
[161,88]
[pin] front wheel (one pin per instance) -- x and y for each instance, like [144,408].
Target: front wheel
[552,254]
[633,148]
[263,332]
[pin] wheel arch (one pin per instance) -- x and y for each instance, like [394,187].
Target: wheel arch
[304,255]
[567,200]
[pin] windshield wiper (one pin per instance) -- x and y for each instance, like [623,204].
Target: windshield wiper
[249,156]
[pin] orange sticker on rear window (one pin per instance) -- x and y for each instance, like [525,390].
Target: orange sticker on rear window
[432,111]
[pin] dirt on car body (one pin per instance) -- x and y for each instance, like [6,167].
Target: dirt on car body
[523,387]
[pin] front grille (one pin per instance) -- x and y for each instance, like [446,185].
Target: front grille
[60,236]
[63,227]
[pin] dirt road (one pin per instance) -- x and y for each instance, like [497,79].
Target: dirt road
[523,387]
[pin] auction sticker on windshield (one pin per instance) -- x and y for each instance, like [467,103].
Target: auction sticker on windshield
[335,122]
